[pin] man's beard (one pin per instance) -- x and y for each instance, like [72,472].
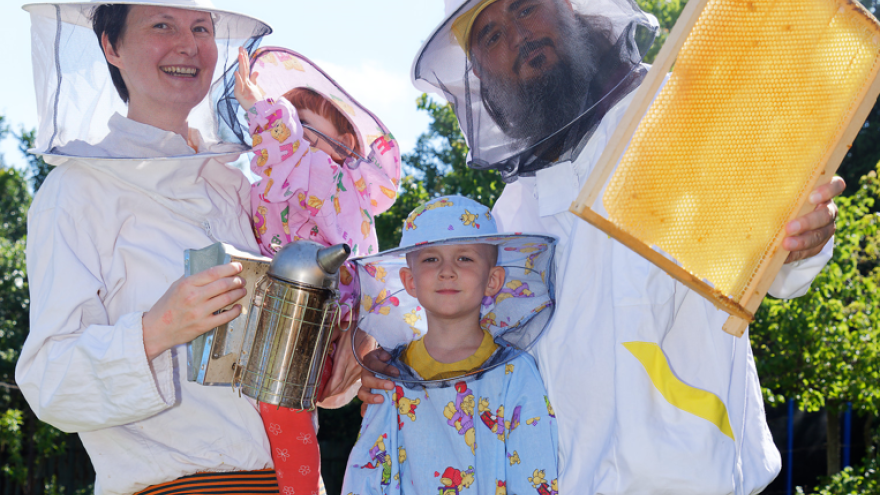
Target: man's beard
[527,111]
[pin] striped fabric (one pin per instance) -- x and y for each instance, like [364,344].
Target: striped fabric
[262,481]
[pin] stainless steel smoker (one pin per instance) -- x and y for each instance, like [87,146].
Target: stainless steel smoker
[275,350]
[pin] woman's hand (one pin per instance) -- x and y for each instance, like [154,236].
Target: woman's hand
[187,308]
[344,378]
[246,90]
[376,360]
[346,374]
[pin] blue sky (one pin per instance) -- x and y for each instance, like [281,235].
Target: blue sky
[368,47]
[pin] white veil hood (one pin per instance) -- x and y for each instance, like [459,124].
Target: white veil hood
[442,67]
[75,94]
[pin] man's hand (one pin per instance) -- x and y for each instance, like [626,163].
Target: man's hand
[376,360]
[808,234]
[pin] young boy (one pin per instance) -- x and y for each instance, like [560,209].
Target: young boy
[456,305]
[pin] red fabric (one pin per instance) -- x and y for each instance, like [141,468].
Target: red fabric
[293,439]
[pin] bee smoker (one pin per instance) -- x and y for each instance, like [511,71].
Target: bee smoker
[280,357]
[294,307]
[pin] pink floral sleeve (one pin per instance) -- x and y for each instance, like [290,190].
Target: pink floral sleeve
[279,150]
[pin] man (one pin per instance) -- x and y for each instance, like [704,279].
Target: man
[651,396]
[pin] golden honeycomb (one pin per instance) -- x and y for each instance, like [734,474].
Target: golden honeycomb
[760,94]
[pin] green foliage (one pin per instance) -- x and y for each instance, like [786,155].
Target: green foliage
[666,12]
[865,152]
[14,199]
[389,225]
[437,167]
[864,479]
[14,202]
[11,423]
[14,304]
[823,349]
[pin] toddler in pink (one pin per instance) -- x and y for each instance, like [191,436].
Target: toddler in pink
[327,167]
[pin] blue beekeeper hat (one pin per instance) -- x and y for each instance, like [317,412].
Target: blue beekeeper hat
[515,317]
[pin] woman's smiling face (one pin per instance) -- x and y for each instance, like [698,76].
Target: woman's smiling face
[166,56]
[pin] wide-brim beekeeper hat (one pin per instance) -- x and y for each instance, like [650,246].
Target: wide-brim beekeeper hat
[515,317]
[599,46]
[280,70]
[75,94]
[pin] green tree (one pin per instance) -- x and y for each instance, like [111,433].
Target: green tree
[666,12]
[823,349]
[14,198]
[436,167]
[14,202]
[389,225]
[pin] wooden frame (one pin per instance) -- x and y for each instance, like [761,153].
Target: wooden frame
[742,311]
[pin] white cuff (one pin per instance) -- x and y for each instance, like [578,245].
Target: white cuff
[794,279]
[161,368]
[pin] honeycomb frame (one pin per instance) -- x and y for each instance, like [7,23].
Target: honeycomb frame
[764,102]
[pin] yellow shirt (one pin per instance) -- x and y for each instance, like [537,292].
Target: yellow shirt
[417,357]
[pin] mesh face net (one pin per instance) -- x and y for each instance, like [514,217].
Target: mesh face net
[75,94]
[761,93]
[531,79]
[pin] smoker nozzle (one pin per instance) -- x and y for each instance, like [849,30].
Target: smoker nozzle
[330,259]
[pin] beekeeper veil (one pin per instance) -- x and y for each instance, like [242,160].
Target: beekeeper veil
[75,94]
[531,79]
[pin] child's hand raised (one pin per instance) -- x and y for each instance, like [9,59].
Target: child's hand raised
[246,90]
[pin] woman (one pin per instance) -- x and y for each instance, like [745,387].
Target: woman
[109,314]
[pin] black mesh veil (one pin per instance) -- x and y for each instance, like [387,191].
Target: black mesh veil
[230,120]
[531,79]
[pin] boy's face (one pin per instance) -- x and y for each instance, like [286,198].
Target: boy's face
[450,281]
